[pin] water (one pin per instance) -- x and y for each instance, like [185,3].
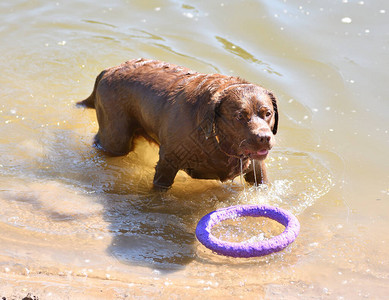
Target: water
[77,224]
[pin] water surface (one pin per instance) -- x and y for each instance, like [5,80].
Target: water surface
[77,224]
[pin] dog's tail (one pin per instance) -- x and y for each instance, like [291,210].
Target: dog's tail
[90,101]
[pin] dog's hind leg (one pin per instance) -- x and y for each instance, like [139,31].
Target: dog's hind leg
[116,133]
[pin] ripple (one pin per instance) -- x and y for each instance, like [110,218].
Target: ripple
[239,51]
[99,23]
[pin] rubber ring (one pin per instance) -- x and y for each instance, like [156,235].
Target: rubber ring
[244,249]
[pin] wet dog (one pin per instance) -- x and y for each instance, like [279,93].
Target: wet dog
[211,126]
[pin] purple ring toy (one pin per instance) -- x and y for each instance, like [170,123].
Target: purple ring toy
[275,244]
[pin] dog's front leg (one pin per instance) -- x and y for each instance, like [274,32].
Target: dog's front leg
[260,176]
[165,172]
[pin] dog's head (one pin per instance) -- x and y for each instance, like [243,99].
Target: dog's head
[245,118]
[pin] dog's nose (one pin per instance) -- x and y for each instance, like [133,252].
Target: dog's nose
[264,138]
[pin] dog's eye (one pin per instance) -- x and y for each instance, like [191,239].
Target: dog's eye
[268,114]
[242,116]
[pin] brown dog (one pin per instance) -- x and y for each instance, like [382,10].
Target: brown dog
[212,126]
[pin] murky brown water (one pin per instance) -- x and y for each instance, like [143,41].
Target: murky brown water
[75,224]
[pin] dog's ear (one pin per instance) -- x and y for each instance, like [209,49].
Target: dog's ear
[208,125]
[208,112]
[207,107]
[208,122]
[275,108]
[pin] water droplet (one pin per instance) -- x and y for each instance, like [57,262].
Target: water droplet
[188,15]
[346,20]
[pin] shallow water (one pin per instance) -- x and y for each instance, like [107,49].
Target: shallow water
[77,224]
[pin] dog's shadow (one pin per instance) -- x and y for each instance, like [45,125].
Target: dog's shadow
[146,233]
[156,230]
[148,228]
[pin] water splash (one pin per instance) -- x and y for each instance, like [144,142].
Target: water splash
[302,178]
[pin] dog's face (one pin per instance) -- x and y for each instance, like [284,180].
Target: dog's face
[248,117]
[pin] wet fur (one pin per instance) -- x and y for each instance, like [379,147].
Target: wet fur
[205,124]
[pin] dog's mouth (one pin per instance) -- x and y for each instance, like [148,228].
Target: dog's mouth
[258,154]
